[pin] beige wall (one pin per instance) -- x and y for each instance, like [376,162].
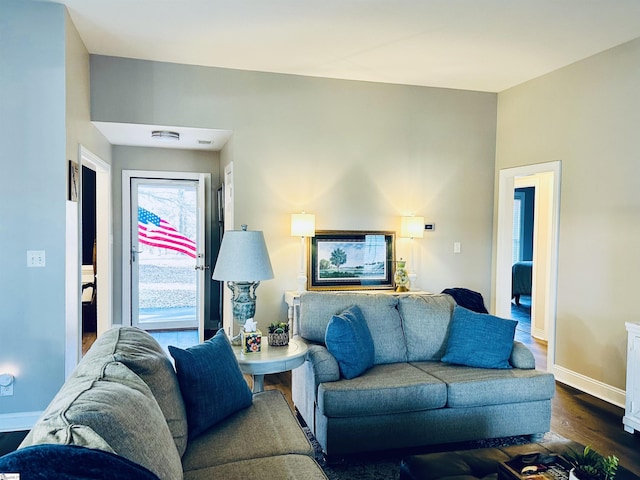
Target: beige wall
[356,154]
[80,131]
[587,115]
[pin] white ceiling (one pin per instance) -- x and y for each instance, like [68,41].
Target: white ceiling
[484,45]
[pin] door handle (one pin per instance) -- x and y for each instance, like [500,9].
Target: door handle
[202,267]
[134,250]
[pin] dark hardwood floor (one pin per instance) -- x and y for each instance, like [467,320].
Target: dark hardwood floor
[575,414]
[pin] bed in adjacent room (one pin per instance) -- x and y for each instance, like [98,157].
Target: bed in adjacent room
[521,274]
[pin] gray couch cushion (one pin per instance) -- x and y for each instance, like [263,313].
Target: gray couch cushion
[521,356]
[279,467]
[266,428]
[473,387]
[384,389]
[113,411]
[426,321]
[141,353]
[379,310]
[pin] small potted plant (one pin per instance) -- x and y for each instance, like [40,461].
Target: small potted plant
[590,465]
[278,334]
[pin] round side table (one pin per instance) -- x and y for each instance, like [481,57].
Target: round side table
[270,360]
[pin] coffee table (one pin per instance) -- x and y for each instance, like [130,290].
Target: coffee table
[482,463]
[270,360]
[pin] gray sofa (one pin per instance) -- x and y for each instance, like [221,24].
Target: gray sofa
[124,398]
[410,398]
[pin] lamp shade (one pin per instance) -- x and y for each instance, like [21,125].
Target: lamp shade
[243,257]
[303,225]
[412,227]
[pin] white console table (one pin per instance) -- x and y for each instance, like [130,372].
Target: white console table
[631,419]
[292,299]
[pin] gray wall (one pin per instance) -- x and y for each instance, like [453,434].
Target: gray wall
[167,160]
[32,200]
[358,155]
[44,99]
[587,116]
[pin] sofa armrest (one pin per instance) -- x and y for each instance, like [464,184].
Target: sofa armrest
[324,365]
[521,357]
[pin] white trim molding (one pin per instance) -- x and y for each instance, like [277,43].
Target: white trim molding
[19,421]
[588,385]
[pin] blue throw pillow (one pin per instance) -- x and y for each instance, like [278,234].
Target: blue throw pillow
[71,462]
[349,340]
[211,382]
[479,340]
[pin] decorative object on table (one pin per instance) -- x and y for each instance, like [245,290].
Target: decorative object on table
[340,260]
[401,277]
[243,262]
[303,225]
[588,464]
[278,334]
[251,337]
[412,227]
[251,341]
[535,466]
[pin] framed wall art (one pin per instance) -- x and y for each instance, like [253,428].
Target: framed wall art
[351,260]
[74,181]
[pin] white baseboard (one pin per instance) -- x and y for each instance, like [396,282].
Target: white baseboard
[593,387]
[19,421]
[539,334]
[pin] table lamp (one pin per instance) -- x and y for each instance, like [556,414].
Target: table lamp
[412,227]
[303,225]
[243,261]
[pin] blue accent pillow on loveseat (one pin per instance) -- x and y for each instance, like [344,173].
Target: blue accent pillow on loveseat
[479,339]
[349,340]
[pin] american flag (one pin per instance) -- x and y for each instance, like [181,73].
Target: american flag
[157,232]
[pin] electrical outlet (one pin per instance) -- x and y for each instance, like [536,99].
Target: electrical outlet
[35,258]
[6,385]
[456,247]
[6,391]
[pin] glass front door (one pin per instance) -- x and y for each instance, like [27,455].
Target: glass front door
[167,275]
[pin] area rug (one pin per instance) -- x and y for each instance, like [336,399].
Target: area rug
[386,465]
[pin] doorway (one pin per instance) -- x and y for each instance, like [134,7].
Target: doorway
[164,270]
[546,178]
[523,245]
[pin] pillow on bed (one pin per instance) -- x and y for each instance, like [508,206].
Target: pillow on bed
[479,340]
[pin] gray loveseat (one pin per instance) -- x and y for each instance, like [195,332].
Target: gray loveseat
[410,398]
[124,398]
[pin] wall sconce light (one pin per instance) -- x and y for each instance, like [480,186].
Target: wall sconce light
[412,227]
[303,225]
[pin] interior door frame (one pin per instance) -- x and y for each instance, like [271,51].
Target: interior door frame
[104,238]
[504,246]
[73,263]
[127,175]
